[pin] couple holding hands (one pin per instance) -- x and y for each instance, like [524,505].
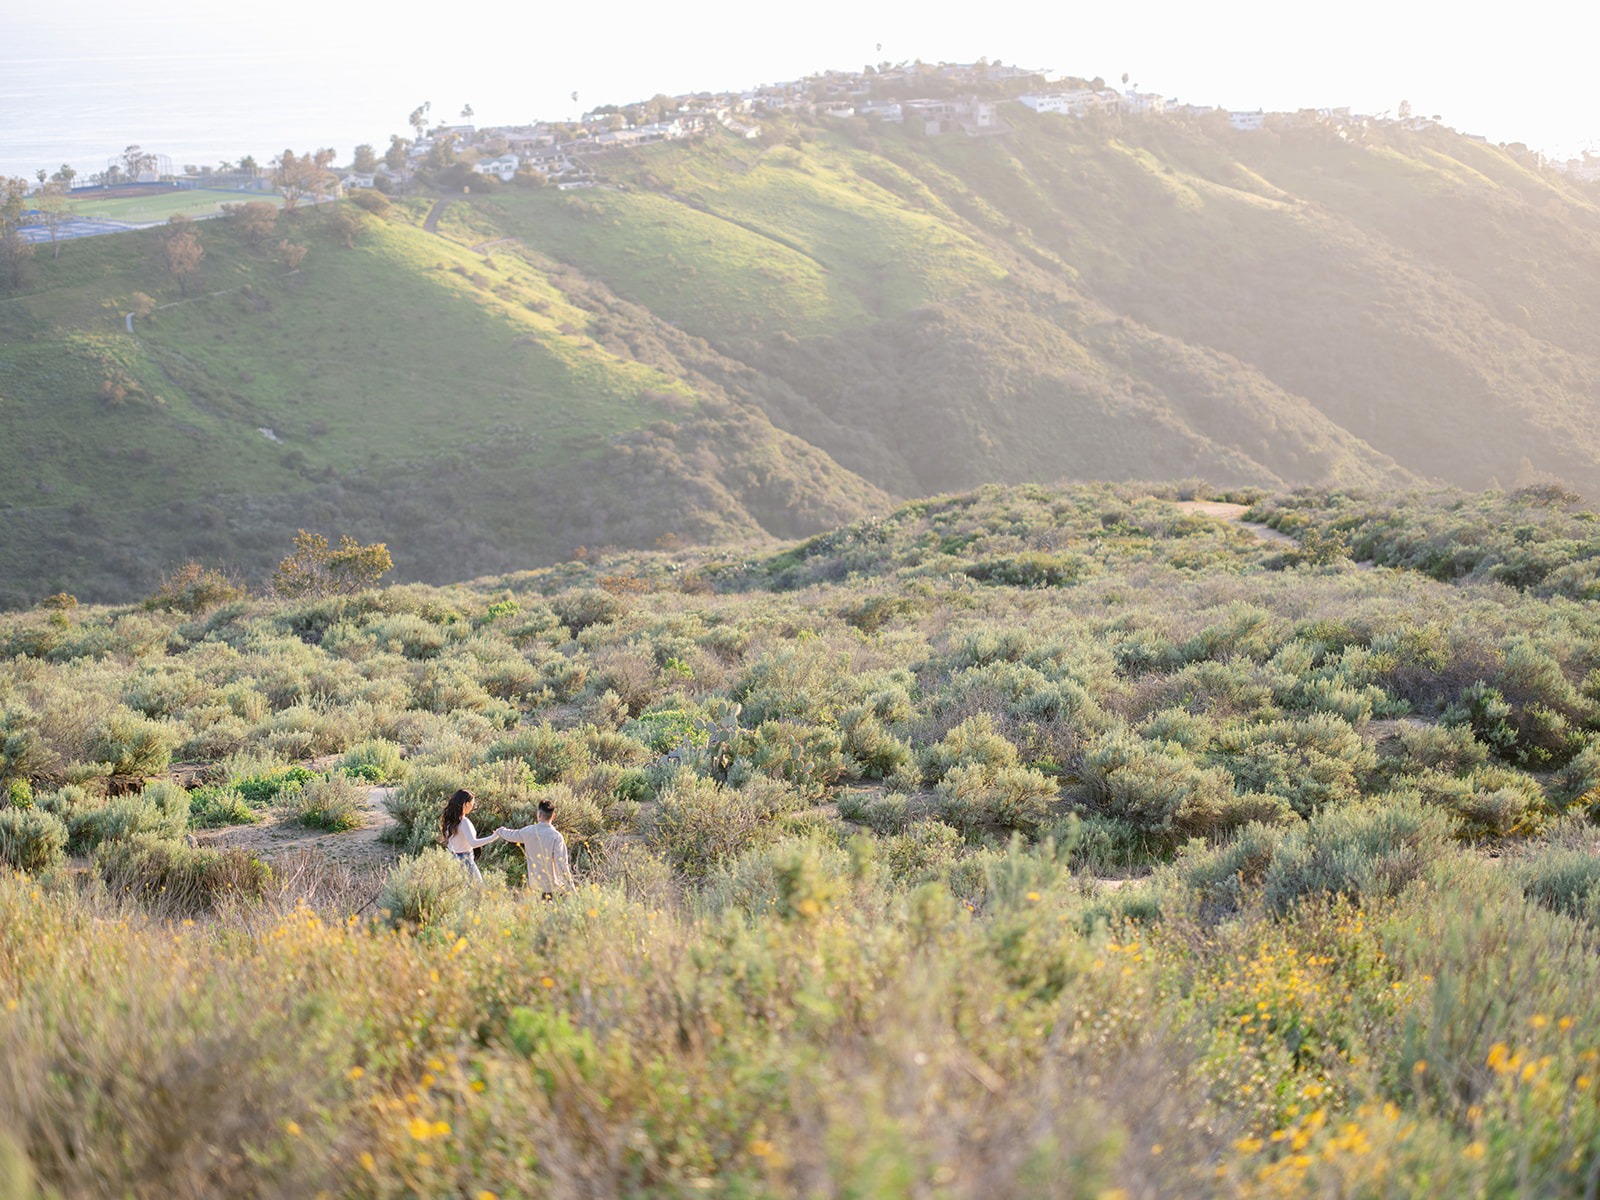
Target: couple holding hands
[549,871]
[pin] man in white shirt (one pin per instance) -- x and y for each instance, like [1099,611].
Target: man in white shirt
[546,852]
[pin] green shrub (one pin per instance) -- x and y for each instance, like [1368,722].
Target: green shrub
[376,203]
[785,878]
[160,811]
[811,757]
[882,814]
[1373,849]
[1311,761]
[1102,845]
[376,761]
[178,877]
[424,890]
[1578,782]
[263,787]
[976,797]
[1561,878]
[1193,732]
[579,610]
[665,729]
[1155,787]
[877,753]
[31,839]
[133,746]
[550,754]
[193,588]
[1222,875]
[332,803]
[215,806]
[698,824]
[925,851]
[1442,748]
[1489,802]
[1036,569]
[973,742]
[808,681]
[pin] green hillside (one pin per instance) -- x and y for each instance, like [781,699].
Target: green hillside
[728,340]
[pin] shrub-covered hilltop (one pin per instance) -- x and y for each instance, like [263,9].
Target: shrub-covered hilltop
[1024,842]
[737,340]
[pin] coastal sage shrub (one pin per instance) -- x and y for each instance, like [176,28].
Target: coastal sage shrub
[550,754]
[974,742]
[375,761]
[213,806]
[925,851]
[1311,761]
[698,824]
[418,804]
[977,796]
[883,815]
[179,878]
[32,840]
[778,878]
[1490,801]
[1155,787]
[1035,569]
[585,608]
[1371,849]
[161,810]
[1482,709]
[1578,783]
[876,753]
[808,681]
[409,635]
[1194,732]
[132,746]
[331,803]
[1222,875]
[811,757]
[425,889]
[1563,879]
[1452,749]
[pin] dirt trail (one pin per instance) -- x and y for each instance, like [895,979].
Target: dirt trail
[359,847]
[1235,513]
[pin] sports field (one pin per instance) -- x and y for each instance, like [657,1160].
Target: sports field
[157,205]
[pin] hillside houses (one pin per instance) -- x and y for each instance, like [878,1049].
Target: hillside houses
[928,99]
[968,115]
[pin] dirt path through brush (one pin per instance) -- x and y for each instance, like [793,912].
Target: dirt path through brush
[1223,511]
[274,838]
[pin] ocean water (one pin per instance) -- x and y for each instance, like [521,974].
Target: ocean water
[83,107]
[206,84]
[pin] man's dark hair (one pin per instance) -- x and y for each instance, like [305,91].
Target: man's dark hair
[546,809]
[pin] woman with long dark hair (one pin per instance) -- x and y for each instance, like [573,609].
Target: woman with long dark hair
[460,838]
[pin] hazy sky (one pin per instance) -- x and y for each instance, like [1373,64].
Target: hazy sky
[326,70]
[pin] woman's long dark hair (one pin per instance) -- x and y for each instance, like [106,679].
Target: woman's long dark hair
[452,812]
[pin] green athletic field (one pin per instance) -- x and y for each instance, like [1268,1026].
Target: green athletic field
[158,207]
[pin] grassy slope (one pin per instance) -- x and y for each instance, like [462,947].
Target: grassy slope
[1150,300]
[405,361]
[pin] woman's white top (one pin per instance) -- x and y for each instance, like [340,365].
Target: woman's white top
[465,839]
